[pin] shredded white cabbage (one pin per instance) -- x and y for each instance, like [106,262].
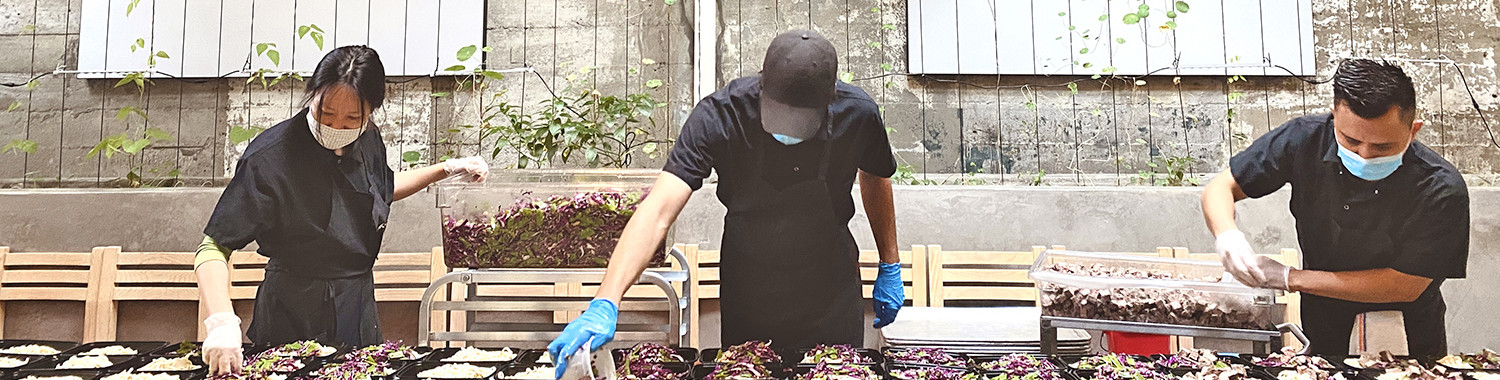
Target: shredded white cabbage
[471,354]
[30,349]
[170,364]
[457,371]
[115,350]
[86,362]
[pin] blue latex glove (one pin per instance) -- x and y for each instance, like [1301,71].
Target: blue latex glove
[890,293]
[598,322]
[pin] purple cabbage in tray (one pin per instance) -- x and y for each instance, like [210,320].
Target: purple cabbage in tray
[557,232]
[643,362]
[353,370]
[642,370]
[740,370]
[755,351]
[1123,367]
[653,353]
[841,353]
[390,350]
[928,373]
[929,356]
[1021,365]
[831,371]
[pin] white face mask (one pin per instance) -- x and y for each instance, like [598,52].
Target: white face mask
[330,137]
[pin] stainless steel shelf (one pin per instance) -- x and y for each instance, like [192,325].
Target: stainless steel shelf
[1268,340]
[677,305]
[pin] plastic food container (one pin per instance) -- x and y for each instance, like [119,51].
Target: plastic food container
[1154,290]
[564,218]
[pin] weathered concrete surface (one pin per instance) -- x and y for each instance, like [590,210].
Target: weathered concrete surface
[1135,219]
[941,126]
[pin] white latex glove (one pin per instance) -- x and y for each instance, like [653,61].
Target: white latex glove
[1239,258]
[475,168]
[221,349]
[1276,273]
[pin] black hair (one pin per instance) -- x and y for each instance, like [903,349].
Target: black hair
[358,67]
[1371,88]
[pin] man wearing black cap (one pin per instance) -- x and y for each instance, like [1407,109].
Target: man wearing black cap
[787,145]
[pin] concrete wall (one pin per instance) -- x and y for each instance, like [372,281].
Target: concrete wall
[1105,134]
[1135,219]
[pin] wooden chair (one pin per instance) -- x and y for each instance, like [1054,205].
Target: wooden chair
[52,276]
[1292,301]
[705,277]
[141,276]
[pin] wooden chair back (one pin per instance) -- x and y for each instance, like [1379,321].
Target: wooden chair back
[52,276]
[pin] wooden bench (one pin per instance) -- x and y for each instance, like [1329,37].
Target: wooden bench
[990,277]
[142,276]
[52,276]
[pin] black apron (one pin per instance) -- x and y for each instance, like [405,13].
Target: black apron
[1328,322]
[790,269]
[296,301]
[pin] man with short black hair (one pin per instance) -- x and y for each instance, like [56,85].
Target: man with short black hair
[787,146]
[1382,220]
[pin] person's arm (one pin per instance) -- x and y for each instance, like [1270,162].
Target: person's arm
[213,276]
[880,206]
[1383,285]
[643,235]
[1218,202]
[411,181]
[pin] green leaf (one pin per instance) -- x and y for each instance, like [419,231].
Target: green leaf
[1083,51]
[874,9]
[441,94]
[20,145]
[135,146]
[654,83]
[847,77]
[131,7]
[493,74]
[1182,6]
[455,68]
[140,42]
[238,134]
[260,49]
[318,40]
[156,134]
[1087,65]
[315,27]
[1171,25]
[1062,14]
[889,26]
[885,66]
[28,29]
[1104,17]
[13,106]
[876,44]
[1073,87]
[1120,41]
[1072,28]
[1143,7]
[1131,19]
[275,57]
[466,52]
[32,85]
[162,54]
[302,31]
[1143,13]
[411,156]
[671,2]
[124,112]
[1171,14]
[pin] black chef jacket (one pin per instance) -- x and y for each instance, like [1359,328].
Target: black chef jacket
[1415,221]
[723,128]
[314,213]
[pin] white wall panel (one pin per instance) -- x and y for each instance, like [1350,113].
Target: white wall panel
[207,38]
[1032,37]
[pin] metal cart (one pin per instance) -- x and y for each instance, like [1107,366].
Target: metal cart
[678,305]
[1267,340]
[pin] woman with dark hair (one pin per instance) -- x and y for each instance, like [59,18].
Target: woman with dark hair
[314,191]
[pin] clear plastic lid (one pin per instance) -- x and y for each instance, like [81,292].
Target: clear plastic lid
[1207,276]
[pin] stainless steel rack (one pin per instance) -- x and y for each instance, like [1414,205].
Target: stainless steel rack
[678,305]
[1267,340]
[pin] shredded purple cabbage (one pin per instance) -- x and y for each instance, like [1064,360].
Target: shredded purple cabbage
[740,370]
[557,232]
[929,373]
[832,371]
[652,353]
[390,350]
[841,353]
[929,356]
[1020,365]
[755,351]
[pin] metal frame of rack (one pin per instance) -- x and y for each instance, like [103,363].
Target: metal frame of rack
[1268,340]
[678,305]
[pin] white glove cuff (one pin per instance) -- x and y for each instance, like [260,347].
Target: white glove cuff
[1231,234]
[220,320]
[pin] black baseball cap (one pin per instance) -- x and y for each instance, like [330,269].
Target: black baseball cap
[797,83]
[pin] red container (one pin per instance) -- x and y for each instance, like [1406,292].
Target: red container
[1138,344]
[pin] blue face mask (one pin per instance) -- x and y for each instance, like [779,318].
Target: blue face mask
[1369,169]
[786,140]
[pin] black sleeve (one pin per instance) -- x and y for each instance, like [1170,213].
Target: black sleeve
[878,159]
[1267,164]
[1435,241]
[245,210]
[692,157]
